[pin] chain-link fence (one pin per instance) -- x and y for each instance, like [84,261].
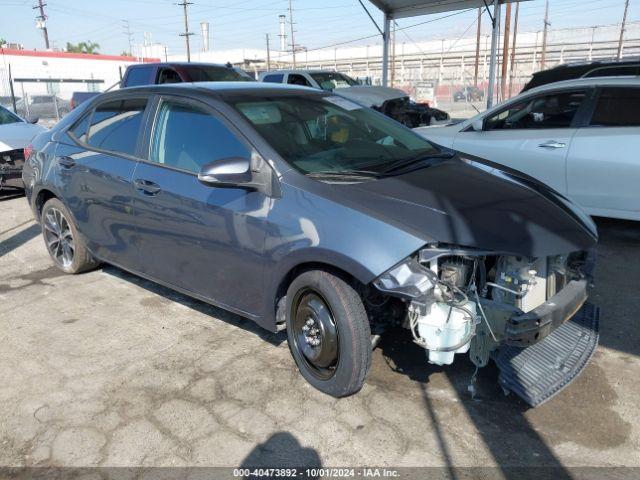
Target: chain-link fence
[43,100]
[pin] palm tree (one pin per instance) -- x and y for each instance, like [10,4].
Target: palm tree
[83,47]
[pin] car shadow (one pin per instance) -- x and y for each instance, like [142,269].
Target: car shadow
[197,305]
[18,239]
[616,279]
[10,194]
[494,415]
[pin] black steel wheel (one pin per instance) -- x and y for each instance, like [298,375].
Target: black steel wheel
[315,334]
[328,332]
[65,246]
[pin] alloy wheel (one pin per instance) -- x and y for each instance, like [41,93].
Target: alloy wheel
[59,237]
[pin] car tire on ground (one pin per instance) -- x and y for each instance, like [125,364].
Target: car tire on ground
[65,246]
[328,332]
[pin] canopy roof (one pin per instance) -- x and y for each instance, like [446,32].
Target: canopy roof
[413,8]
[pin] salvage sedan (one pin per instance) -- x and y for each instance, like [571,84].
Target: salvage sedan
[304,211]
[15,135]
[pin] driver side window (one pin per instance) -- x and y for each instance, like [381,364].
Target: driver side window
[555,110]
[187,137]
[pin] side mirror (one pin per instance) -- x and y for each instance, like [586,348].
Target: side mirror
[227,172]
[32,119]
[477,125]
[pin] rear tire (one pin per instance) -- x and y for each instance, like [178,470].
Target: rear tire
[65,246]
[328,333]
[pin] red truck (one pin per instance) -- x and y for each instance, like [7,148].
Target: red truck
[171,72]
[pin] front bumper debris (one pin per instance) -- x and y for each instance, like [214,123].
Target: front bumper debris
[524,329]
[540,371]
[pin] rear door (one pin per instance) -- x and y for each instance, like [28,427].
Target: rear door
[532,135]
[207,240]
[604,159]
[95,161]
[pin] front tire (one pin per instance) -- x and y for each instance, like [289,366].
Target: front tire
[328,333]
[66,248]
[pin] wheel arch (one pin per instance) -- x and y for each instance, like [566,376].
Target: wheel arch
[287,270]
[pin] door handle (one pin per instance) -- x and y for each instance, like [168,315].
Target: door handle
[553,144]
[66,162]
[147,187]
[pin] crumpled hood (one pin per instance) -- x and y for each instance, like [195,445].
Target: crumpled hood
[17,135]
[477,205]
[369,95]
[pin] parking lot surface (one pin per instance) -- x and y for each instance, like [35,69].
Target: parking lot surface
[105,368]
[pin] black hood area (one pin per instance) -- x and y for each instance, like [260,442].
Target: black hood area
[474,203]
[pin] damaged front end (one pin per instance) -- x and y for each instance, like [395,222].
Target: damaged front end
[511,308]
[412,114]
[11,163]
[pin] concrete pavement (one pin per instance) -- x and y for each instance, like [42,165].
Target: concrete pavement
[108,369]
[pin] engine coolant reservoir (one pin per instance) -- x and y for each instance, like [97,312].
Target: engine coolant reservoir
[445,327]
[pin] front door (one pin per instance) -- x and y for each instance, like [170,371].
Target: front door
[206,240]
[532,136]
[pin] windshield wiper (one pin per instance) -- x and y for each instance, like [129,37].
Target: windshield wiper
[400,164]
[344,173]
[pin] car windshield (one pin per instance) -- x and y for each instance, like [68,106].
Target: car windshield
[332,80]
[333,135]
[216,74]
[6,117]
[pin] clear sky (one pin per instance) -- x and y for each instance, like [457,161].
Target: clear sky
[244,23]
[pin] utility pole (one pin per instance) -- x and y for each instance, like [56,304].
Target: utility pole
[293,42]
[622,27]
[268,53]
[42,22]
[393,52]
[127,32]
[494,52]
[505,52]
[512,71]
[543,57]
[475,72]
[186,33]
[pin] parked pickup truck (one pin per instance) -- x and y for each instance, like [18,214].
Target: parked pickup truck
[172,72]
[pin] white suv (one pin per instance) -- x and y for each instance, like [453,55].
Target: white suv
[582,137]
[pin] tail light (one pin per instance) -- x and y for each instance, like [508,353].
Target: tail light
[28,151]
[72,104]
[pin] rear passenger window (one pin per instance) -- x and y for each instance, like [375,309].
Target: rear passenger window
[187,137]
[79,130]
[115,125]
[139,76]
[617,107]
[275,78]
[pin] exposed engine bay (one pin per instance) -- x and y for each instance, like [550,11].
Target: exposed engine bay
[457,301]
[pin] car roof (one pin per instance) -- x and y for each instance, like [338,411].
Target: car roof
[588,82]
[220,89]
[297,71]
[179,64]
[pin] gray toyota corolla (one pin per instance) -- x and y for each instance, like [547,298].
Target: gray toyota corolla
[304,211]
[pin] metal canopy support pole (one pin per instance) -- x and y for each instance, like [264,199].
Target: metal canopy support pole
[494,52]
[385,49]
